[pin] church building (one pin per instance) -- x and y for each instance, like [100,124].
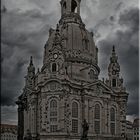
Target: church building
[66,91]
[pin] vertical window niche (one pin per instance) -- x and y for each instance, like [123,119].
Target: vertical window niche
[64,7]
[54,67]
[97,119]
[74,6]
[114,83]
[93,74]
[85,44]
[112,121]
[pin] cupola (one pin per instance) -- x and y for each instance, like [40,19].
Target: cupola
[70,6]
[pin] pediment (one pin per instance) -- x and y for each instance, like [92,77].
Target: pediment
[56,49]
[100,86]
[51,85]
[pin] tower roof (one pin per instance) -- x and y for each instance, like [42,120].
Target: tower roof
[31,61]
[31,67]
[114,57]
[114,67]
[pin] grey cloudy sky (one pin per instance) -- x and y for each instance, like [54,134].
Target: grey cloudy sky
[25,25]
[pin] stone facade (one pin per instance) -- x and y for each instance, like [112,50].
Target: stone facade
[136,129]
[57,98]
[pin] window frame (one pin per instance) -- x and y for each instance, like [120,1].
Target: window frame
[54,67]
[97,118]
[75,117]
[53,115]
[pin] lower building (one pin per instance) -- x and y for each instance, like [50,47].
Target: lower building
[136,129]
[8,132]
[129,130]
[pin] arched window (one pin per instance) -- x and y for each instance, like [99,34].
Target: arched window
[97,119]
[54,67]
[75,110]
[75,117]
[53,104]
[112,121]
[53,116]
[73,6]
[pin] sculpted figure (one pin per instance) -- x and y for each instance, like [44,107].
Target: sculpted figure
[85,127]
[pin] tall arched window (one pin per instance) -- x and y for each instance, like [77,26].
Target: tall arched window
[53,116]
[112,121]
[75,117]
[54,67]
[97,119]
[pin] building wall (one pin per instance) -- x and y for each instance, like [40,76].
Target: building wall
[8,136]
[136,129]
[129,130]
[64,111]
[136,133]
[8,132]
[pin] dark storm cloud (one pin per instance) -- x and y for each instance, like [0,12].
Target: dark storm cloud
[7,111]
[23,35]
[3,9]
[119,6]
[126,41]
[130,19]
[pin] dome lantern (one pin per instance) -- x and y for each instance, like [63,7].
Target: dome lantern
[70,6]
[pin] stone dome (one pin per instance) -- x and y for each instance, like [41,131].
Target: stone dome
[71,37]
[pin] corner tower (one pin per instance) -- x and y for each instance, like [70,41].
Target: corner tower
[115,82]
[30,77]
